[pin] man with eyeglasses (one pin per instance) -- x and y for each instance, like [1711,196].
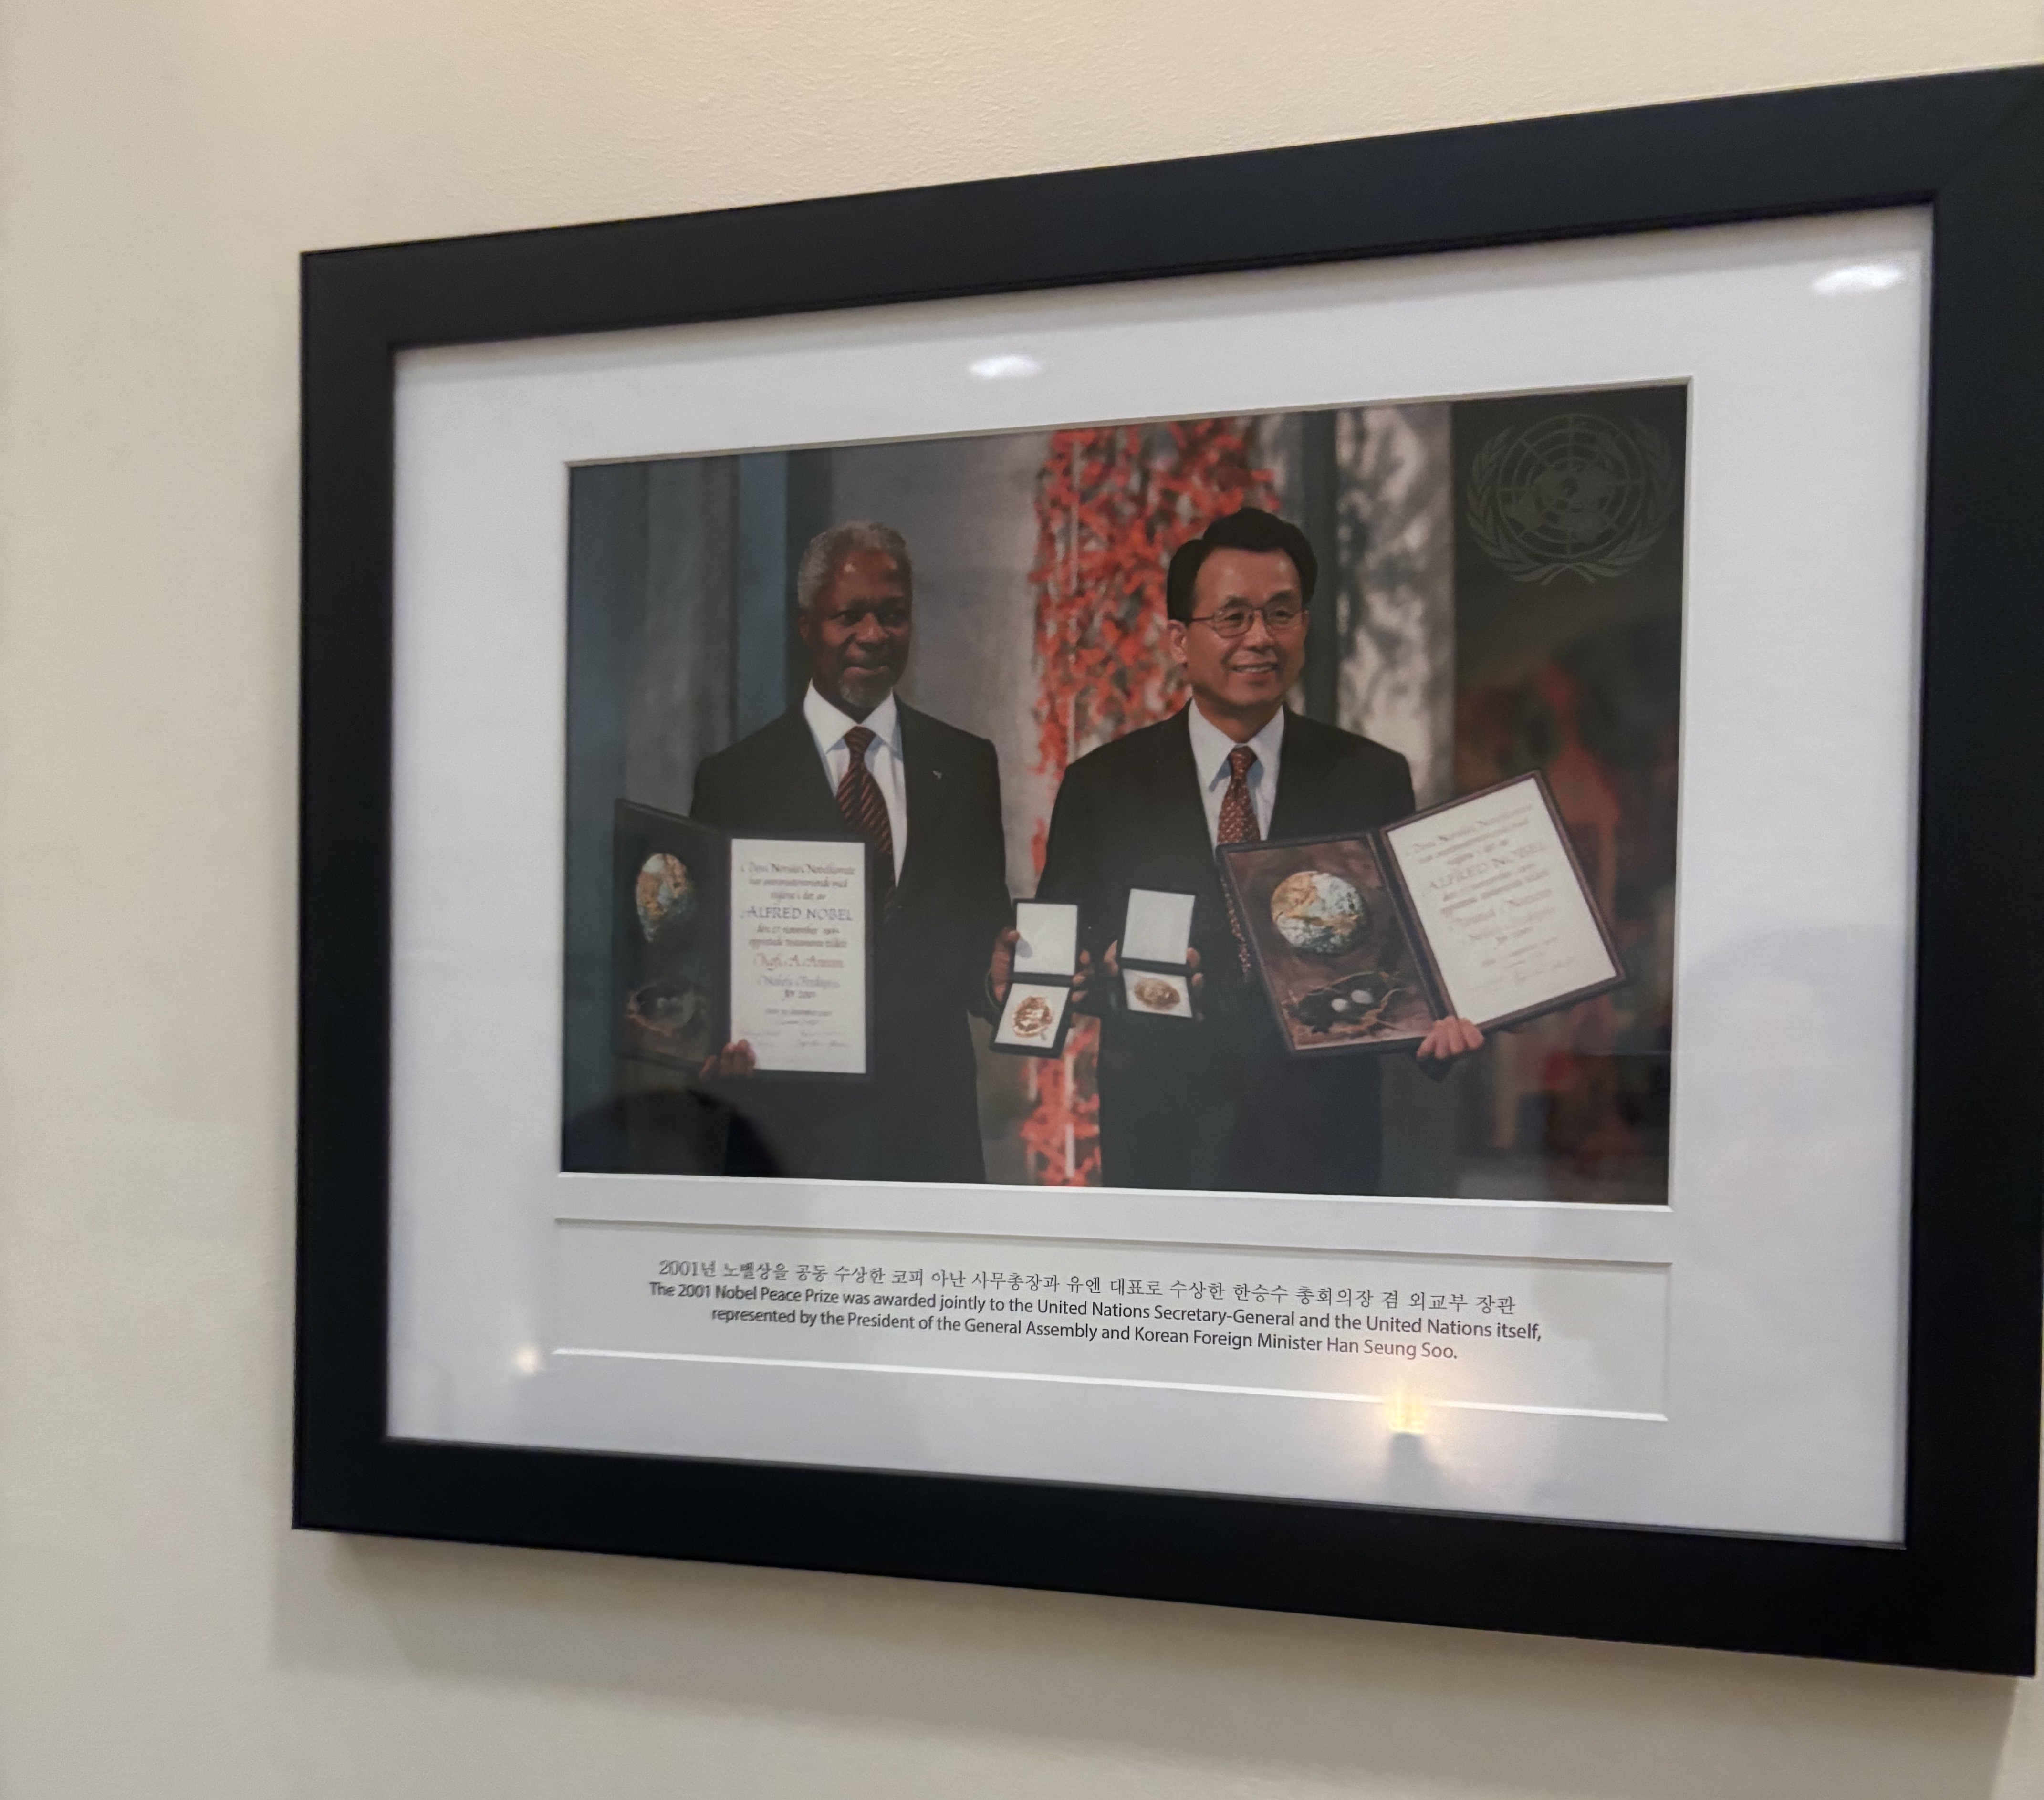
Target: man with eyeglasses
[1218,1103]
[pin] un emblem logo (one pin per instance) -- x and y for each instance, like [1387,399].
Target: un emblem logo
[1575,494]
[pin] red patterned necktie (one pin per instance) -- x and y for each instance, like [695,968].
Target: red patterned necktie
[864,809]
[1238,826]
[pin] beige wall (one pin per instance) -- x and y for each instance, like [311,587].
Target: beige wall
[161,163]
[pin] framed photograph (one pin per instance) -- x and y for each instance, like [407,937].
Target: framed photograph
[1563,590]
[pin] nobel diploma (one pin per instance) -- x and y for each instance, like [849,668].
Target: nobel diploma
[1500,905]
[798,962]
[1476,907]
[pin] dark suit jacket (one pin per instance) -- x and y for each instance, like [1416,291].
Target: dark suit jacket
[918,1118]
[1217,1102]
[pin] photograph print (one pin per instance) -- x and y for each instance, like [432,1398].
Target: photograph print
[1074,665]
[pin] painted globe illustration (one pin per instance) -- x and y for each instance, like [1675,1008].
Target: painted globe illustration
[1317,913]
[666,897]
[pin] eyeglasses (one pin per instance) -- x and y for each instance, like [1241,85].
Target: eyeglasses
[1279,617]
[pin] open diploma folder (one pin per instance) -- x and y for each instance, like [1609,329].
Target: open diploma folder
[1477,907]
[715,938]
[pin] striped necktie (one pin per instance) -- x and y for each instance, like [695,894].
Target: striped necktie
[864,809]
[1238,826]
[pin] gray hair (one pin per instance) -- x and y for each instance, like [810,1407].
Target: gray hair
[827,549]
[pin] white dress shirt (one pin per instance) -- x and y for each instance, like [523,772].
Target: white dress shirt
[1211,746]
[883,756]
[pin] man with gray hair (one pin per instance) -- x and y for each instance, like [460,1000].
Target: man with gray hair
[852,759]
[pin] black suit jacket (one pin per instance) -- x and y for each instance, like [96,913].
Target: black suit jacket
[918,1118]
[1217,1102]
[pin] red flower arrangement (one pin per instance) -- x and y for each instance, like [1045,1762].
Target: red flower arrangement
[1112,503]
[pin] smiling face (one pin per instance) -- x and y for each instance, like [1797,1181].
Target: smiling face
[858,631]
[1239,682]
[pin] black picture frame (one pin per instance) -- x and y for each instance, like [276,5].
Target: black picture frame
[1959,1590]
